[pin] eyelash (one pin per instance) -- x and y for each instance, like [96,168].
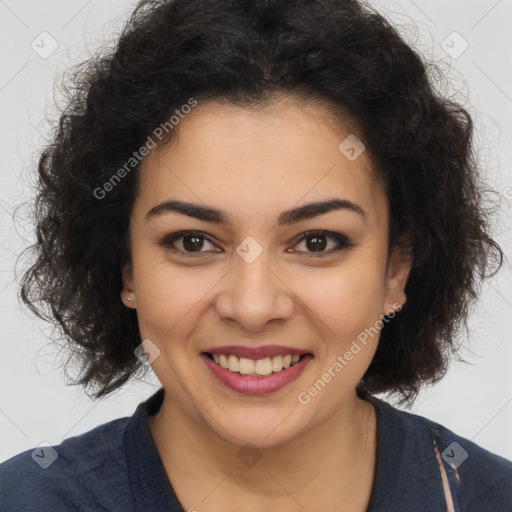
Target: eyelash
[342,243]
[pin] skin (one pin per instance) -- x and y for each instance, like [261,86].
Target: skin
[254,165]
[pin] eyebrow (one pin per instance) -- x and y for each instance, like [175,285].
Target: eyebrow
[288,217]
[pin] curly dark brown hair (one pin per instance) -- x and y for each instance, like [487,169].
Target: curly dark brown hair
[340,52]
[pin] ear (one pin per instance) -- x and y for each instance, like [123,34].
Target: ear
[127,293]
[398,271]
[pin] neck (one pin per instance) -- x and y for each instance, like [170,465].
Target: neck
[331,460]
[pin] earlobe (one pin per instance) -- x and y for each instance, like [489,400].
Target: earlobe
[127,293]
[398,272]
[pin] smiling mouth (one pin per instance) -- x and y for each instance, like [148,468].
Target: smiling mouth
[255,368]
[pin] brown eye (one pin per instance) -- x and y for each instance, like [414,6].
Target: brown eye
[192,243]
[187,243]
[315,243]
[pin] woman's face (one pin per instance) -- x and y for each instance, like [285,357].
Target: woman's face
[248,278]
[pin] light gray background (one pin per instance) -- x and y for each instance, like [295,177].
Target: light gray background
[474,400]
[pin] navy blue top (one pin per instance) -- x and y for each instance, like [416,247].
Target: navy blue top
[116,467]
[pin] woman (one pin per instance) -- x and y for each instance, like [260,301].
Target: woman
[267,202]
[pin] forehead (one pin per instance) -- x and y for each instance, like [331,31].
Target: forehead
[262,159]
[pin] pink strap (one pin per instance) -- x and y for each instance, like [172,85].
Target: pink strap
[446,486]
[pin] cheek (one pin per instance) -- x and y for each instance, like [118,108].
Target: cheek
[169,299]
[346,300]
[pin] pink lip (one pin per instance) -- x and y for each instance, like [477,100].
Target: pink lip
[256,385]
[256,352]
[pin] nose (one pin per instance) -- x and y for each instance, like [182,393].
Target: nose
[254,294]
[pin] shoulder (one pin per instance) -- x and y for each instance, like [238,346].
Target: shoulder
[481,479]
[73,475]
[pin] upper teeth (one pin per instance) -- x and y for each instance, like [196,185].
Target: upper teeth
[260,367]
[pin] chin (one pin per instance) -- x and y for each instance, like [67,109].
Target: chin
[255,427]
